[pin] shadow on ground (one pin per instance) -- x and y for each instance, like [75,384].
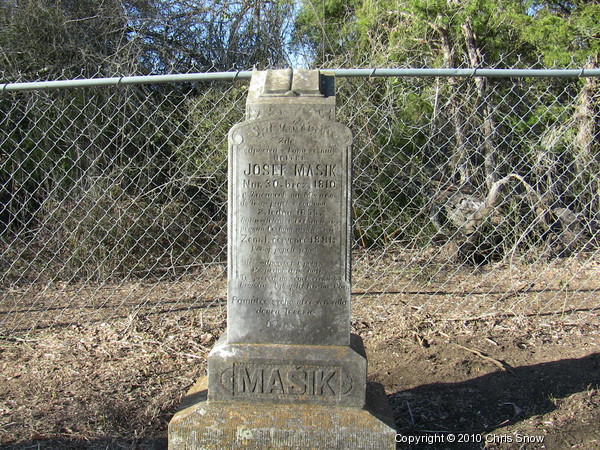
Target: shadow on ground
[487,404]
[498,400]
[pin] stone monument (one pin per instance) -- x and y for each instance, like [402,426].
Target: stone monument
[287,373]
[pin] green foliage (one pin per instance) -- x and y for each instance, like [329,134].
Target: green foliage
[458,132]
[324,29]
[391,165]
[430,33]
[569,37]
[134,180]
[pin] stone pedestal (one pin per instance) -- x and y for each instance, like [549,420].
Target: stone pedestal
[299,374]
[288,373]
[201,424]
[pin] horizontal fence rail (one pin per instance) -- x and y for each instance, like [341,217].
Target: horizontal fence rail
[339,73]
[476,194]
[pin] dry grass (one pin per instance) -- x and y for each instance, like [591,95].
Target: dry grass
[517,360]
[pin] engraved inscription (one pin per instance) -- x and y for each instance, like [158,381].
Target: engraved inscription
[265,380]
[289,231]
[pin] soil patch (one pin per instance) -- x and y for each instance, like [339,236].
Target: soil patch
[511,369]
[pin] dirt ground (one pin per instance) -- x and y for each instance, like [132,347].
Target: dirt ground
[515,370]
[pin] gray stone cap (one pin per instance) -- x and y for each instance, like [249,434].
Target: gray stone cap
[290,87]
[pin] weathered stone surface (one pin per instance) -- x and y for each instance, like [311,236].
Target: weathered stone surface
[289,220]
[287,373]
[208,425]
[332,375]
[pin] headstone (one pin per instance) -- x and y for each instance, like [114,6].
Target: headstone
[287,364]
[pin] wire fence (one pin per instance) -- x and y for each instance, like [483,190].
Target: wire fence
[474,196]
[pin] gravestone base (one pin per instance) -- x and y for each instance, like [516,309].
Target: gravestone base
[299,374]
[200,424]
[288,373]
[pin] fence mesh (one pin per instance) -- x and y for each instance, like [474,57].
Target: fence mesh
[473,197]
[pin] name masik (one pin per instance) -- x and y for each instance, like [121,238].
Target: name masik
[297,170]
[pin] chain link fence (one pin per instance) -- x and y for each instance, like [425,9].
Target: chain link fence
[473,197]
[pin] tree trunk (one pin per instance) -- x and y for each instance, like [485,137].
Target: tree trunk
[460,157]
[489,150]
[586,145]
